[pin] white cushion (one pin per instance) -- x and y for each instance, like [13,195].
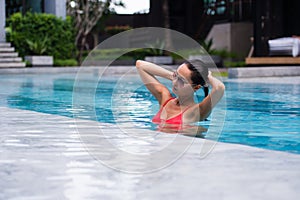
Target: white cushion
[284,46]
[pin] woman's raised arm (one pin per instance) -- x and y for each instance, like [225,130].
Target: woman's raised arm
[148,71]
[213,98]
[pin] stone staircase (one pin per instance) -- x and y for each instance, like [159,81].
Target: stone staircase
[8,57]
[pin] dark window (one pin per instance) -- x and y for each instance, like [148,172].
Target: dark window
[14,6]
[229,10]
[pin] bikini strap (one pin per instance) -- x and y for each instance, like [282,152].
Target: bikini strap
[167,101]
[170,100]
[186,109]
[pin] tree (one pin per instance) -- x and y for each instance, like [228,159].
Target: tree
[166,14]
[86,14]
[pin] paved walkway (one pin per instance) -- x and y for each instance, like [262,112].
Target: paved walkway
[269,71]
[271,80]
[242,72]
[43,157]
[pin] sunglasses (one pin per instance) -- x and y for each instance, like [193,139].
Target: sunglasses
[180,80]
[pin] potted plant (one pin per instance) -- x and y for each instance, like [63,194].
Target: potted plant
[38,48]
[212,54]
[157,55]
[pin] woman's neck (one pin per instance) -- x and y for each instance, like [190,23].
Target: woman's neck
[185,101]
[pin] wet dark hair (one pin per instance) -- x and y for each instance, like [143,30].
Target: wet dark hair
[199,74]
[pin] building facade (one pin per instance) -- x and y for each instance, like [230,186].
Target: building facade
[269,18]
[8,7]
[274,19]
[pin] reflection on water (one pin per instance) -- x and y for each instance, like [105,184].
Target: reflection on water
[188,129]
[49,160]
[262,115]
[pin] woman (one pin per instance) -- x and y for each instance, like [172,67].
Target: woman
[186,80]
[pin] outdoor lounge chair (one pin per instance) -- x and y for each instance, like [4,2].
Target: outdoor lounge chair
[286,46]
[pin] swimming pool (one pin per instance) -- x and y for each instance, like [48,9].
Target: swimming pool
[263,115]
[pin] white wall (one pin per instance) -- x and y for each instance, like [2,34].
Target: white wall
[56,7]
[2,21]
[234,37]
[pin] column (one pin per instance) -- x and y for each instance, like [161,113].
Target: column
[2,21]
[56,7]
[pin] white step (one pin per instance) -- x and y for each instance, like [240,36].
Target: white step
[3,55]
[5,44]
[7,49]
[9,58]
[9,65]
[12,59]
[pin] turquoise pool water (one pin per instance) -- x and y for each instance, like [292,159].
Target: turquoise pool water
[261,115]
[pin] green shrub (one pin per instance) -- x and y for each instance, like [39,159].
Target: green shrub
[28,64]
[112,54]
[136,54]
[68,62]
[35,27]
[156,49]
[231,64]
[207,45]
[223,53]
[220,74]
[38,46]
[112,30]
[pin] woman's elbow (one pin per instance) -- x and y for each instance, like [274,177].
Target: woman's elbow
[220,88]
[138,63]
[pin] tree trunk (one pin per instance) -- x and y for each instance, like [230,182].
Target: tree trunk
[166,14]
[81,49]
[86,14]
[95,39]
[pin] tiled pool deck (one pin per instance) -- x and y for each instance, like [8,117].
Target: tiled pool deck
[43,157]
